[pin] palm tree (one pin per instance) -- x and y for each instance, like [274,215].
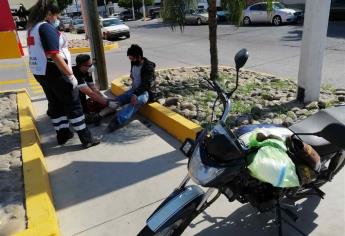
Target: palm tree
[173,12]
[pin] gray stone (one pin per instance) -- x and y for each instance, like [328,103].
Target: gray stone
[192,114]
[312,105]
[16,153]
[267,121]
[341,98]
[5,130]
[270,115]
[257,110]
[185,113]
[322,104]
[301,112]
[188,105]
[255,122]
[295,109]
[288,121]
[171,101]
[161,101]
[4,166]
[277,121]
[201,115]
[243,120]
[292,115]
[340,92]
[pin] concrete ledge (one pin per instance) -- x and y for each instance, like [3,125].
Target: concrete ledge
[175,124]
[87,49]
[40,211]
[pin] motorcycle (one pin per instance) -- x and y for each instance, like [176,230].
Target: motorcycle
[218,161]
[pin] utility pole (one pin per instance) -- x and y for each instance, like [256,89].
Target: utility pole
[133,10]
[105,8]
[144,13]
[96,43]
[312,49]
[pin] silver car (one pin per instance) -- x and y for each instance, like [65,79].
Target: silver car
[198,16]
[77,26]
[280,14]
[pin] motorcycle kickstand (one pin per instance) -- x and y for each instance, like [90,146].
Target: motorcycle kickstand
[280,219]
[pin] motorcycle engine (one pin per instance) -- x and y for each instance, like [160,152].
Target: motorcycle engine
[263,196]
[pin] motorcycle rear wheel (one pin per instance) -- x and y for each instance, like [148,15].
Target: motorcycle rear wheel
[176,226]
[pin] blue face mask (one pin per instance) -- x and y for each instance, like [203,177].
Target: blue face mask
[56,23]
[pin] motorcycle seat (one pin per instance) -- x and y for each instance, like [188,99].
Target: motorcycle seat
[328,127]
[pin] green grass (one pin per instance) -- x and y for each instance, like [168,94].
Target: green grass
[240,107]
[328,88]
[247,88]
[280,84]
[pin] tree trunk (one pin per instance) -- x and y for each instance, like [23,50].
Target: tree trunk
[212,25]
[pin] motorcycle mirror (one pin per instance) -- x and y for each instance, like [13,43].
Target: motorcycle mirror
[241,58]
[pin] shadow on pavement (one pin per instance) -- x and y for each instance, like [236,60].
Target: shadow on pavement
[246,220]
[294,35]
[335,30]
[9,143]
[85,180]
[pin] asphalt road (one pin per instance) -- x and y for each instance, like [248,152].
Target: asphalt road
[272,50]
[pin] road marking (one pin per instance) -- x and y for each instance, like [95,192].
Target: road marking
[36,86]
[8,66]
[15,81]
[36,91]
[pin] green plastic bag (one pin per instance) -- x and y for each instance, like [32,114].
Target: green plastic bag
[271,164]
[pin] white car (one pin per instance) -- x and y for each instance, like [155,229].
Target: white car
[257,13]
[113,28]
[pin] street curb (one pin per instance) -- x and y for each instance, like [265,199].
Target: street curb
[40,211]
[87,49]
[175,124]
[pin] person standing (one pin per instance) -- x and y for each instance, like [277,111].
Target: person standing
[50,63]
[143,80]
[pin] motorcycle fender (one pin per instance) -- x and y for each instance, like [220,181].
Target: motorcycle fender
[173,206]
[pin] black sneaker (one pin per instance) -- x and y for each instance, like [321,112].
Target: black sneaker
[95,141]
[63,136]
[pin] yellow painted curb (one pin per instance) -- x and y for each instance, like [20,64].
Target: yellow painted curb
[40,212]
[175,124]
[87,49]
[8,45]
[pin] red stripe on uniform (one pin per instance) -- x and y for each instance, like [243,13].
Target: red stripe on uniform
[52,52]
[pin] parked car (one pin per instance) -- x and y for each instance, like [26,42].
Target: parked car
[113,28]
[66,23]
[155,12]
[198,16]
[77,25]
[222,15]
[116,15]
[126,15]
[257,13]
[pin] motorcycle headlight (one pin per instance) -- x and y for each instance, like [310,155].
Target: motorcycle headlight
[200,173]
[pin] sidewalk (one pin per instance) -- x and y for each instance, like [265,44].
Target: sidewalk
[112,188]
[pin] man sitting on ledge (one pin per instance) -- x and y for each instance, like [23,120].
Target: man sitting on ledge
[143,80]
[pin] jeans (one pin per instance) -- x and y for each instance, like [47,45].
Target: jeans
[128,110]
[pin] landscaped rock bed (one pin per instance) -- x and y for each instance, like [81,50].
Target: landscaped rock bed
[12,212]
[260,98]
[83,43]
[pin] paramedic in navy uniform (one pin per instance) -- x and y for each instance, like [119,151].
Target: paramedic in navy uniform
[50,63]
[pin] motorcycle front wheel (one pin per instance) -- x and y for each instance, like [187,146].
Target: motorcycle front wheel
[177,224]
